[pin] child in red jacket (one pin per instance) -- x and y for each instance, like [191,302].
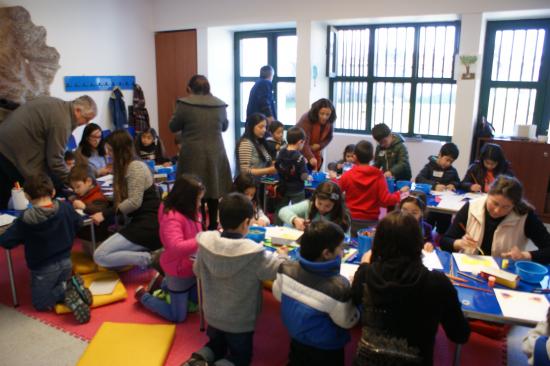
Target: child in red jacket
[366,189]
[180,222]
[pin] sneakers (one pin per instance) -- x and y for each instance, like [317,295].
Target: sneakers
[80,310]
[195,360]
[140,291]
[77,283]
[155,283]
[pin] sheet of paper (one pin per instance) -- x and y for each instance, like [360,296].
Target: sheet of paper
[443,193]
[6,219]
[431,261]
[103,287]
[473,196]
[451,202]
[348,270]
[522,305]
[474,263]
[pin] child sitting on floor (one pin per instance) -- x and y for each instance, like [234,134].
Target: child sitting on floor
[245,184]
[47,230]
[315,299]
[276,141]
[336,168]
[180,222]
[90,200]
[415,205]
[366,189]
[327,202]
[231,269]
[150,147]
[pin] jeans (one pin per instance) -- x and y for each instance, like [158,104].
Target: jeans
[176,311]
[285,200]
[301,354]
[238,344]
[117,251]
[48,284]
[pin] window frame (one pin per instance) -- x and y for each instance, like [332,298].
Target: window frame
[371,79]
[271,35]
[541,112]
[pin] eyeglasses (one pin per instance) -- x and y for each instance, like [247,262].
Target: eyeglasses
[92,137]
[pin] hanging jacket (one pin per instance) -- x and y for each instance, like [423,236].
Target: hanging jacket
[118,109]
[139,114]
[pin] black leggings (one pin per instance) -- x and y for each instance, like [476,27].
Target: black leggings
[212,204]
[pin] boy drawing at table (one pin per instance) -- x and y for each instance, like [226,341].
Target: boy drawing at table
[391,155]
[441,175]
[232,268]
[315,299]
[90,200]
[47,230]
[292,168]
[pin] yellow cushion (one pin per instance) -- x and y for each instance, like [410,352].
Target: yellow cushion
[83,264]
[119,344]
[118,294]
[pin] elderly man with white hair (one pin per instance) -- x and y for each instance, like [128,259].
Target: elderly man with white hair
[33,139]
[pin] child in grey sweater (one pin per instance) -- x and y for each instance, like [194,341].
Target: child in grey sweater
[232,268]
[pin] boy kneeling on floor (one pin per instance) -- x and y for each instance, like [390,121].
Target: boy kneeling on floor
[47,229]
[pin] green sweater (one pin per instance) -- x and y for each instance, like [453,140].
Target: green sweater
[301,209]
[395,158]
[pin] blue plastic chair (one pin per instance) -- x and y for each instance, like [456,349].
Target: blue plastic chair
[71,145]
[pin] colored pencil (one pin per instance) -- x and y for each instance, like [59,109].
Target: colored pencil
[471,277]
[474,178]
[464,228]
[472,287]
[457,278]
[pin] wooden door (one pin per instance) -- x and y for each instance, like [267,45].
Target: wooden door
[176,58]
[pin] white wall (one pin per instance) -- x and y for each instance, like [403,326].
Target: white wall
[311,18]
[100,37]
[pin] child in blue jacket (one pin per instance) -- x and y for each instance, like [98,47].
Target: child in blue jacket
[316,300]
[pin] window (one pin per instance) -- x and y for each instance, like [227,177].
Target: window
[515,81]
[401,75]
[252,51]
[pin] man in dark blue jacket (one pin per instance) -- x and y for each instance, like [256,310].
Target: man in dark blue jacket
[261,95]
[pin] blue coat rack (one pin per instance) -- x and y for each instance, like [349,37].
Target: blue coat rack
[83,83]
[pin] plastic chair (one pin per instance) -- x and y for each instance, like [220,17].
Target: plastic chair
[71,144]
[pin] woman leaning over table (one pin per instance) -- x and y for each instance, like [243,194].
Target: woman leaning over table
[500,224]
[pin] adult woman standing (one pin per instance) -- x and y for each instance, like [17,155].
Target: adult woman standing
[318,123]
[252,153]
[92,152]
[136,198]
[201,118]
[499,224]
[403,302]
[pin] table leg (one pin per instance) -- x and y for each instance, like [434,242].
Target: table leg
[12,279]
[92,235]
[458,349]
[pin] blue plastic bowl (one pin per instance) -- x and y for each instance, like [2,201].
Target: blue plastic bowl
[426,188]
[403,183]
[319,176]
[530,271]
[391,184]
[256,233]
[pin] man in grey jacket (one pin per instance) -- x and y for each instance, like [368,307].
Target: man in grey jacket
[33,139]
[232,268]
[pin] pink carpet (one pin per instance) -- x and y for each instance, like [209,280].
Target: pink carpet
[271,339]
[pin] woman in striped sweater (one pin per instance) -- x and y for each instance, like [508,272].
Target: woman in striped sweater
[252,154]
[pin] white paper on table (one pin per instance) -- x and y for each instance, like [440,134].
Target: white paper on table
[451,202]
[474,263]
[103,287]
[522,305]
[431,260]
[473,196]
[443,193]
[6,219]
[348,270]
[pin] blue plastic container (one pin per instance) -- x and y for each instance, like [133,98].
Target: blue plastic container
[150,164]
[403,183]
[364,241]
[256,233]
[319,177]
[391,184]
[426,188]
[164,170]
[530,271]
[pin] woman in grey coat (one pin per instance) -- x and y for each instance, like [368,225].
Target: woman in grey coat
[201,118]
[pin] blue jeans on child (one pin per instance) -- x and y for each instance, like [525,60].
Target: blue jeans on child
[117,251]
[48,284]
[181,290]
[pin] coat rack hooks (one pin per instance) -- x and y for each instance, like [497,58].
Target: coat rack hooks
[88,83]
